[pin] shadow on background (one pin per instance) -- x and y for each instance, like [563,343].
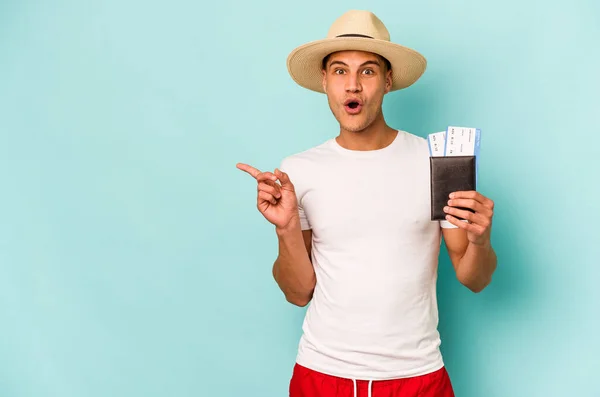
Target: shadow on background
[466,318]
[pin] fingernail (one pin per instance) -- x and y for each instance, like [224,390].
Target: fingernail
[446,209]
[451,195]
[449,202]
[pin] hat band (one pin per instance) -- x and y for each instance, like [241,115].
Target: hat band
[354,35]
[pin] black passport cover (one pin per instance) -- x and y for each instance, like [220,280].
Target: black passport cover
[449,174]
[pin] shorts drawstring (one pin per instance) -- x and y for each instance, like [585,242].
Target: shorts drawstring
[369,388]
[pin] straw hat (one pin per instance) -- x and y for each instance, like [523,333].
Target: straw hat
[361,31]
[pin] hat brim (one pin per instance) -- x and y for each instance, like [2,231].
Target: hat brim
[304,63]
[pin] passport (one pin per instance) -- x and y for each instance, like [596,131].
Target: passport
[450,174]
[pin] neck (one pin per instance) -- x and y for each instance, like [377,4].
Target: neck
[376,136]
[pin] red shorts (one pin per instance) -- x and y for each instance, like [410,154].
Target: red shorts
[308,383]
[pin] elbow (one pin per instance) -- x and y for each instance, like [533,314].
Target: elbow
[298,301]
[299,298]
[475,281]
[475,286]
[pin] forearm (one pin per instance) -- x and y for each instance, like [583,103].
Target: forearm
[293,270]
[476,267]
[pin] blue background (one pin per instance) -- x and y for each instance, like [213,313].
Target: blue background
[133,261]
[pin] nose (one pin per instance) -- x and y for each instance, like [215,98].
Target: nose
[353,83]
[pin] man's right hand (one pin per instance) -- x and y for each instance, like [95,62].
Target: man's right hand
[276,202]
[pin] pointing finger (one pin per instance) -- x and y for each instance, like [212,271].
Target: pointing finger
[249,169]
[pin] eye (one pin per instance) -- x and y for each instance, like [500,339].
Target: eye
[338,71]
[369,71]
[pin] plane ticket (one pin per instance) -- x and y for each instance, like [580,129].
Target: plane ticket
[437,143]
[462,141]
[456,141]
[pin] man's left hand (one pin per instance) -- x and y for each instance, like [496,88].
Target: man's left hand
[479,223]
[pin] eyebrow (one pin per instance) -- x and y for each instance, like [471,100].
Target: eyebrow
[369,62]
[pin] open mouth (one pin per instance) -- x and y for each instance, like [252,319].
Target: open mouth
[353,105]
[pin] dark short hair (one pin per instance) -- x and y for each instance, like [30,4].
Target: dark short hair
[387,63]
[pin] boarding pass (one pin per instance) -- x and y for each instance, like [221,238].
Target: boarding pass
[455,141]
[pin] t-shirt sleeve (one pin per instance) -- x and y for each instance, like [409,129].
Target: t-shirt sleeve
[447,225]
[304,224]
[296,179]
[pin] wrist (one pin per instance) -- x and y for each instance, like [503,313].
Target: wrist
[485,246]
[293,226]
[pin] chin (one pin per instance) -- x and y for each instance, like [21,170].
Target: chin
[354,125]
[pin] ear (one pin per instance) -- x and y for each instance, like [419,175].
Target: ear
[324,81]
[388,81]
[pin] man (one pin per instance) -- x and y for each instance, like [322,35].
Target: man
[353,224]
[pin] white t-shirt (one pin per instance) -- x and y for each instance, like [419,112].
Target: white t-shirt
[375,253]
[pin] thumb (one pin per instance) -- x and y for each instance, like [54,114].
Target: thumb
[283,178]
